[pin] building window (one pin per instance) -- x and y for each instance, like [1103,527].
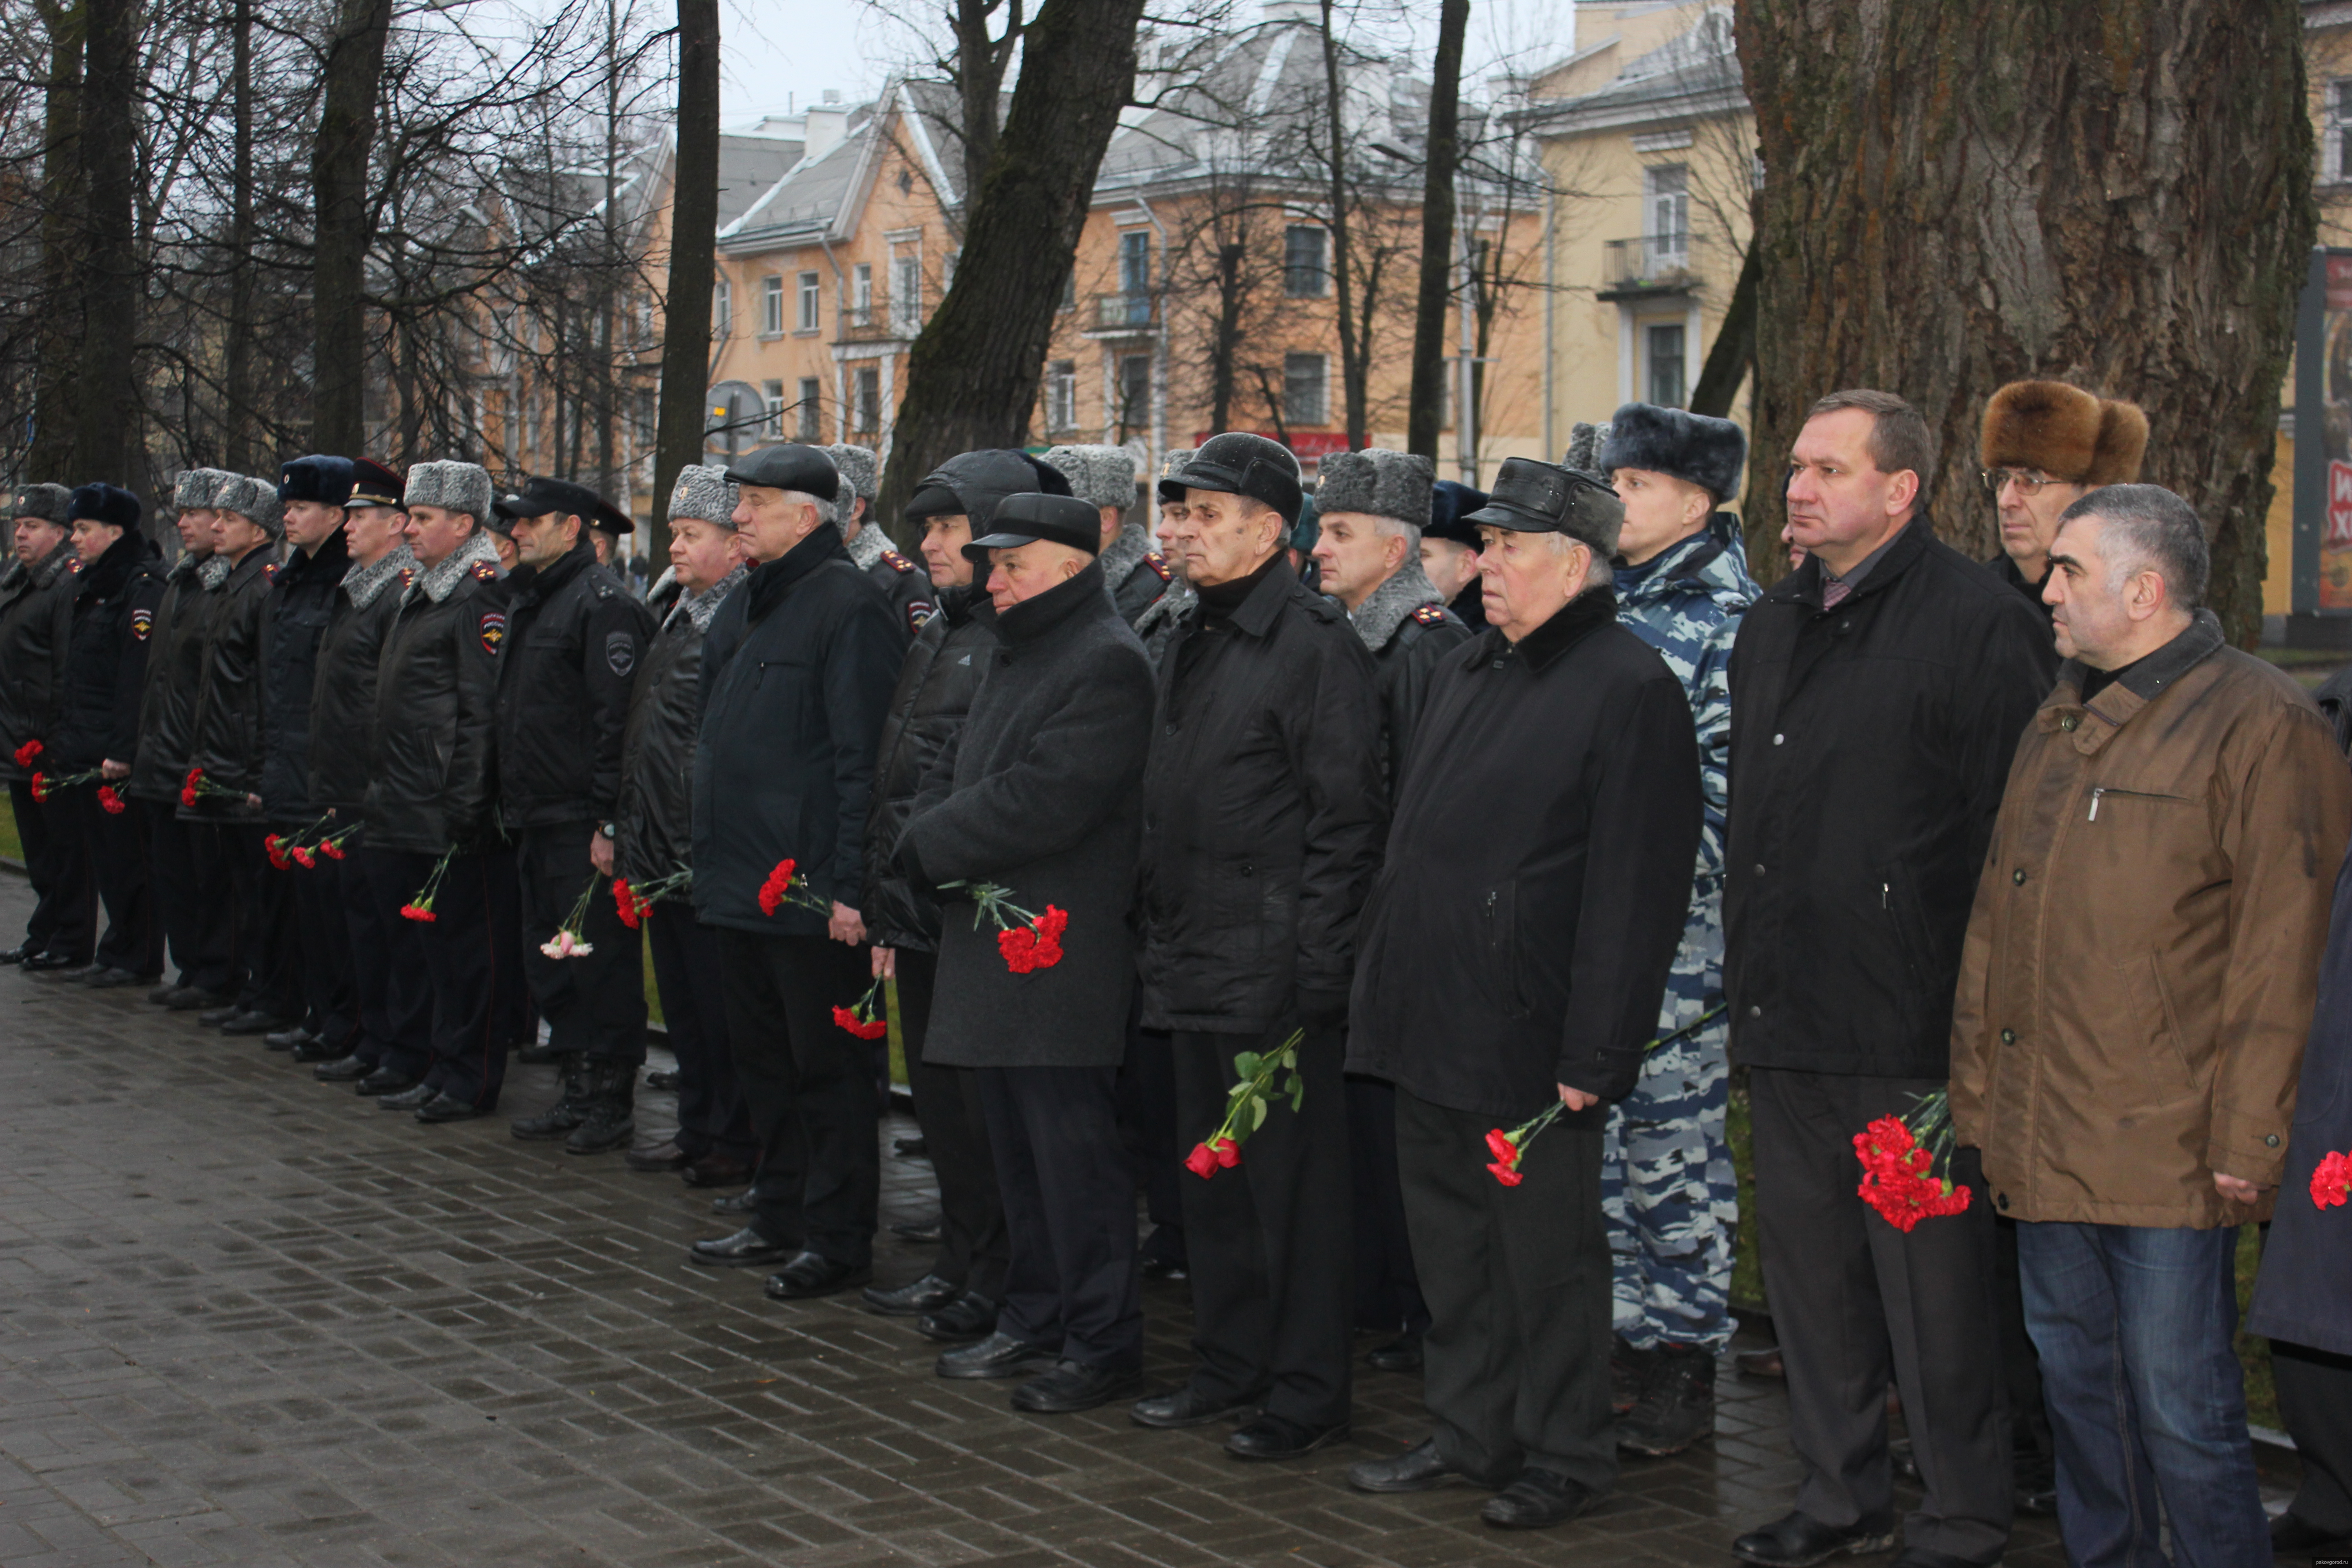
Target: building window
[1134,394]
[1303,389]
[907,295]
[773,394]
[1135,264]
[947,270]
[1304,275]
[812,408]
[772,306]
[2335,142]
[1665,198]
[1666,350]
[722,310]
[1061,395]
[809,300]
[861,294]
[865,402]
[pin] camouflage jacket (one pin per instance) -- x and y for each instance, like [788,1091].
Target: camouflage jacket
[1687,602]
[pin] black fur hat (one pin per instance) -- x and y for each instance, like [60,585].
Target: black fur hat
[106,503]
[1708,452]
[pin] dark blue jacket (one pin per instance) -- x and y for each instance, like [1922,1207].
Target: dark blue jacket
[106,658]
[301,601]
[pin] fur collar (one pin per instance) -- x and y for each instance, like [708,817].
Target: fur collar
[186,565]
[42,575]
[1171,605]
[215,572]
[867,547]
[364,582]
[700,607]
[436,583]
[1385,608]
[1125,553]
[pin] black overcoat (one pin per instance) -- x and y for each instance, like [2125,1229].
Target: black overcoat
[436,679]
[656,815]
[574,636]
[114,604]
[231,714]
[35,622]
[944,668]
[301,602]
[344,681]
[175,675]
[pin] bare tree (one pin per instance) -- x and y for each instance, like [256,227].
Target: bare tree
[1440,156]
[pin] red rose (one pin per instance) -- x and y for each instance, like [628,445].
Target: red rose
[1201,1162]
[1228,1153]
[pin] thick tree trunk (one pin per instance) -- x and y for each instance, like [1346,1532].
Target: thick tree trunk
[972,374]
[238,436]
[56,395]
[693,258]
[1443,154]
[106,445]
[1960,193]
[1734,352]
[980,65]
[339,193]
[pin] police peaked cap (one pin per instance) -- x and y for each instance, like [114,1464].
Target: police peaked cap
[317,477]
[1033,515]
[1532,497]
[561,496]
[789,467]
[106,503]
[1237,463]
[373,484]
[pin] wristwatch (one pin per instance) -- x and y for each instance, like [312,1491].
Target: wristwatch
[605,828]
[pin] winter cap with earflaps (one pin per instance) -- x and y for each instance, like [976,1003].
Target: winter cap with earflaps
[318,478]
[1532,497]
[50,503]
[703,494]
[1378,482]
[107,504]
[2066,431]
[1099,476]
[1697,448]
[254,500]
[860,469]
[452,487]
[196,488]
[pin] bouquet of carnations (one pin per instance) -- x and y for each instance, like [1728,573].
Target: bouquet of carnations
[1027,941]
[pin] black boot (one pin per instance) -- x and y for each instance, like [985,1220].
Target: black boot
[1678,1405]
[568,1111]
[611,1120]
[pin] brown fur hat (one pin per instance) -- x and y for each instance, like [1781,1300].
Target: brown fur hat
[2066,431]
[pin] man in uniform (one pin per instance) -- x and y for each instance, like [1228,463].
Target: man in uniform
[573,640]
[1449,550]
[903,581]
[1104,478]
[36,596]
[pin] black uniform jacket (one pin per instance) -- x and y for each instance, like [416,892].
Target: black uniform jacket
[36,620]
[943,669]
[1263,811]
[1869,747]
[175,675]
[797,670]
[301,601]
[343,683]
[231,720]
[1537,872]
[105,657]
[656,815]
[437,682]
[1405,666]
[574,638]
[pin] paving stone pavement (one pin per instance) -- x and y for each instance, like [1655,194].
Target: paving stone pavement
[250,1318]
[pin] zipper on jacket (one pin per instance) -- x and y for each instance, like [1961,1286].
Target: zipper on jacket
[2134,794]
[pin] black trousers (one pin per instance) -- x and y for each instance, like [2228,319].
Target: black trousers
[262,897]
[1072,1282]
[1271,1244]
[2035,1448]
[1858,1303]
[1515,1365]
[58,865]
[190,887]
[973,1249]
[594,1004]
[2314,1395]
[322,948]
[712,1118]
[470,955]
[1146,1121]
[1388,1292]
[392,981]
[810,1086]
[115,850]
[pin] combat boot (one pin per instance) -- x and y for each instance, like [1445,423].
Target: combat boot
[610,1121]
[568,1111]
[1677,1403]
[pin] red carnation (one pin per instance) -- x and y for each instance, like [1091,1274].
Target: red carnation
[27,752]
[413,913]
[2331,1184]
[331,849]
[303,857]
[1506,1174]
[40,786]
[276,846]
[110,801]
[190,786]
[625,904]
[778,885]
[863,1028]
[1499,1145]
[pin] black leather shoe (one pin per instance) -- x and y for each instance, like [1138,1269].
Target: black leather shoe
[664,1155]
[286,1039]
[318,1048]
[416,1097]
[537,1055]
[343,1070]
[999,1355]
[255,1022]
[1539,1499]
[382,1081]
[809,1275]
[970,1316]
[1277,1438]
[2291,1532]
[192,999]
[733,1202]
[50,963]
[214,1018]
[1800,1541]
[928,1294]
[447,1107]
[921,1232]
[1186,1406]
[115,979]
[717,1170]
[1402,1353]
[747,1249]
[1073,1386]
[15,956]
[1417,1469]
[162,995]
[914,1148]
[662,1079]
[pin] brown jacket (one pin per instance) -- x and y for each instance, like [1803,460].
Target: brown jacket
[2141,959]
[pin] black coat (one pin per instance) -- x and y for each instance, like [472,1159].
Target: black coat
[943,669]
[175,675]
[343,680]
[301,601]
[437,684]
[1537,872]
[1869,747]
[1146,581]
[655,817]
[1263,812]
[908,585]
[1404,668]
[112,628]
[231,716]
[796,675]
[36,621]
[2006,570]
[1037,792]
[574,636]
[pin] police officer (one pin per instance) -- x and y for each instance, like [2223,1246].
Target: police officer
[1156,622]
[1104,478]
[1449,550]
[574,637]
[904,581]
[428,805]
[36,595]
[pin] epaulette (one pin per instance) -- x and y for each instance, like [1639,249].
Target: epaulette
[1159,562]
[899,562]
[407,576]
[484,572]
[1431,615]
[270,570]
[75,566]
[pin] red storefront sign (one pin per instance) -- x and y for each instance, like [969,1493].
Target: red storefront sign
[1305,443]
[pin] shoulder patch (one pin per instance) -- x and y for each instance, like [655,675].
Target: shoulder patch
[1158,564]
[621,653]
[75,566]
[918,612]
[898,562]
[493,630]
[484,573]
[142,624]
[1431,615]
[270,571]
[407,576]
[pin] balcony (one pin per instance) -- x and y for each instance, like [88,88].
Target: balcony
[1652,265]
[876,322]
[1123,315]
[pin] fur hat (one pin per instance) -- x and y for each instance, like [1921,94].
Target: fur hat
[50,503]
[703,493]
[1176,461]
[2066,431]
[452,487]
[1378,482]
[1696,447]
[859,470]
[195,488]
[1098,476]
[1450,501]
[255,499]
[1584,444]
[315,478]
[106,503]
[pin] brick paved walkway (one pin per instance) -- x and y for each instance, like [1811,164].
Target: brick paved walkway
[247,1319]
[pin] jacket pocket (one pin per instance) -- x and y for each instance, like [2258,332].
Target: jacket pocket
[1907,923]
[2157,1023]
[1498,913]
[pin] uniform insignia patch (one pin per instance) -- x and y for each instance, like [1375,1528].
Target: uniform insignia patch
[484,572]
[621,653]
[270,571]
[1158,564]
[918,611]
[1431,615]
[897,562]
[142,623]
[494,631]
[407,576]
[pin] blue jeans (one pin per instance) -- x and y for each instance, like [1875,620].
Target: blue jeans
[2146,1401]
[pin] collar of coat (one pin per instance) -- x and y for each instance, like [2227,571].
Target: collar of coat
[1710,564]
[700,607]
[42,574]
[105,576]
[1569,625]
[186,564]
[2094,723]
[440,579]
[1256,612]
[215,572]
[1173,604]
[329,561]
[1385,609]
[1125,553]
[538,585]
[1804,586]
[1034,620]
[769,580]
[867,547]
[364,582]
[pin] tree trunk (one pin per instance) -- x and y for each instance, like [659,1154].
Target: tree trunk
[693,262]
[237,434]
[106,445]
[55,398]
[1443,154]
[1335,117]
[972,376]
[1734,352]
[1962,193]
[980,65]
[339,196]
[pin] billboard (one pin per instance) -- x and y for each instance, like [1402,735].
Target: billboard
[2322,576]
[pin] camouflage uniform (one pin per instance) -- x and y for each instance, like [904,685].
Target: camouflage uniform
[1666,1178]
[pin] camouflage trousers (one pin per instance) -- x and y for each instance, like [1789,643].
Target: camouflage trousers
[1667,1188]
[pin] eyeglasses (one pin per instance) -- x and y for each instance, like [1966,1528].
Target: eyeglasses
[2027,482]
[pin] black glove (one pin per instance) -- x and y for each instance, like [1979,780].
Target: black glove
[1321,1010]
